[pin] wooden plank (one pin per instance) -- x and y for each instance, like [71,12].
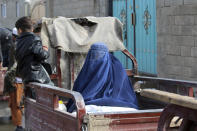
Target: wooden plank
[42,113]
[172,98]
[135,127]
[166,81]
[2,75]
[39,118]
[137,120]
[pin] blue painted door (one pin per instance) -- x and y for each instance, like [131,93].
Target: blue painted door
[121,8]
[139,20]
[145,35]
[121,13]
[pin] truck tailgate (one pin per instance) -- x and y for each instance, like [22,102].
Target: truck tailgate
[137,120]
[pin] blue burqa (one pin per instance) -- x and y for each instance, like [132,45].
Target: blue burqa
[103,81]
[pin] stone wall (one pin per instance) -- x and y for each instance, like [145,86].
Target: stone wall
[24,10]
[67,8]
[11,17]
[77,8]
[177,39]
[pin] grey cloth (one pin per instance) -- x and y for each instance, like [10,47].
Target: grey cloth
[77,35]
[74,37]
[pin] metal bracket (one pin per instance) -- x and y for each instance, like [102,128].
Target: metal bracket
[133,19]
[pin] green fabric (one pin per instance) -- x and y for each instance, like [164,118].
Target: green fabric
[9,80]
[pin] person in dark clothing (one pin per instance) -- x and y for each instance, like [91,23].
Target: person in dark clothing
[13,86]
[30,54]
[5,43]
[12,48]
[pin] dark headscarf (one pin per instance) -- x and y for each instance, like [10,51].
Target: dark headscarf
[103,81]
[5,43]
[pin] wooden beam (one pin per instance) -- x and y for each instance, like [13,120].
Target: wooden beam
[172,98]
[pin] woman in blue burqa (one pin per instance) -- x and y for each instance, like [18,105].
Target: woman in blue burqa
[103,81]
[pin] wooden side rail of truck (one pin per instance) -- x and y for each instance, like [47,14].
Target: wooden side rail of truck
[2,75]
[43,113]
[181,106]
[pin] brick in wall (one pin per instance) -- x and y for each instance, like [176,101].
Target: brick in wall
[194,31]
[185,51]
[182,30]
[188,61]
[173,50]
[184,20]
[185,10]
[176,2]
[183,41]
[190,2]
[194,51]
[195,20]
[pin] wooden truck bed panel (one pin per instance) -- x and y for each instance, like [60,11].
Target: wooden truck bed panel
[2,75]
[39,118]
[139,120]
[43,114]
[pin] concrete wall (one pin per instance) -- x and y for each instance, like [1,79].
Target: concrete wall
[11,17]
[177,39]
[67,8]
[24,9]
[77,8]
